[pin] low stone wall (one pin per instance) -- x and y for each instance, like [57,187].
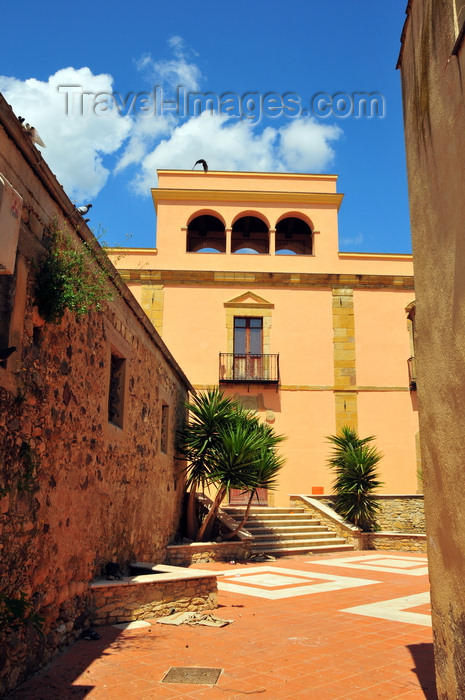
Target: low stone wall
[401,514]
[398,513]
[393,540]
[131,599]
[196,552]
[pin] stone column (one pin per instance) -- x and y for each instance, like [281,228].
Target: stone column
[344,358]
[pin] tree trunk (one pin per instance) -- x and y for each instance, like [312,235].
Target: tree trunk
[207,525]
[192,524]
[244,519]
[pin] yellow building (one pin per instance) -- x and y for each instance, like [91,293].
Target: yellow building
[248,290]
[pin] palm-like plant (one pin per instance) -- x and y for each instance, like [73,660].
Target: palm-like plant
[209,412]
[266,465]
[226,447]
[354,463]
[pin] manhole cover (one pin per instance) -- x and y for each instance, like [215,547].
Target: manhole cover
[185,674]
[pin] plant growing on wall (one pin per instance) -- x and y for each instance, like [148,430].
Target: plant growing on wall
[17,612]
[354,463]
[226,447]
[69,277]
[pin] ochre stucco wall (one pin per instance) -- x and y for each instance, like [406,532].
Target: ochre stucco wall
[337,321]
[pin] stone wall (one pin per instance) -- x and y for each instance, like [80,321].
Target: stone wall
[196,552]
[397,541]
[127,601]
[398,513]
[76,489]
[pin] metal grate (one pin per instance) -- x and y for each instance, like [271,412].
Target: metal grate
[194,674]
[249,368]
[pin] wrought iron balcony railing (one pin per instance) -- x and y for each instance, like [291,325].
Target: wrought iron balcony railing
[249,368]
[412,374]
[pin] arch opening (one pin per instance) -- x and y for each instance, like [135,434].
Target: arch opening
[250,235]
[206,234]
[293,237]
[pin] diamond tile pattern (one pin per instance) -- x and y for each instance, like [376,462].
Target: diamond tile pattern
[312,645]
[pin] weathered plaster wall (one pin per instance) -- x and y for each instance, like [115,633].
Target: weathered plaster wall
[432,68]
[76,490]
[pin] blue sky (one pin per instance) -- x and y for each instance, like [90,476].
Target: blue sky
[108,155]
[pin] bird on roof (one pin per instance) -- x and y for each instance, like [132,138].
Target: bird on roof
[203,163]
[21,120]
[32,133]
[84,209]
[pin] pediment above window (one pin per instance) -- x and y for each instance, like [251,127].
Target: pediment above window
[249,300]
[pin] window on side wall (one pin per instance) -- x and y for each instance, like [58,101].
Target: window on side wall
[116,389]
[164,427]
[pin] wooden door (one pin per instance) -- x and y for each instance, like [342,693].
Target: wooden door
[241,498]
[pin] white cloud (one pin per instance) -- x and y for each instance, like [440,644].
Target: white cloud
[144,133]
[226,144]
[352,240]
[75,144]
[173,72]
[305,145]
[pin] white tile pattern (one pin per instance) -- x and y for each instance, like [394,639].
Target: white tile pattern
[395,564]
[237,582]
[396,609]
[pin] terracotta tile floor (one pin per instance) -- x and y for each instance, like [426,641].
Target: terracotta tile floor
[286,640]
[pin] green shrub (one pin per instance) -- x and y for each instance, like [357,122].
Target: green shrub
[354,464]
[17,612]
[69,277]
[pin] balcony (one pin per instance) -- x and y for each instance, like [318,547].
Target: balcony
[412,374]
[249,368]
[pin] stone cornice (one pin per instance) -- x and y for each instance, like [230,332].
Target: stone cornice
[240,196]
[267,279]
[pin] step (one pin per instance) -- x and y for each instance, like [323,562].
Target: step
[273,517]
[300,543]
[281,550]
[280,531]
[265,510]
[273,522]
[293,537]
[259,528]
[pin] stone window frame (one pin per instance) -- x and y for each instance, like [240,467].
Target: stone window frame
[118,347]
[13,322]
[164,426]
[253,306]
[116,389]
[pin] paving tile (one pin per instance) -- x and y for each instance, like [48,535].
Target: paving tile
[292,644]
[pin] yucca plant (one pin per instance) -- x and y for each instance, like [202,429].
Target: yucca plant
[354,463]
[209,412]
[226,448]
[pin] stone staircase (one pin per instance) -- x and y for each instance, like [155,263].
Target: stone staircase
[280,531]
